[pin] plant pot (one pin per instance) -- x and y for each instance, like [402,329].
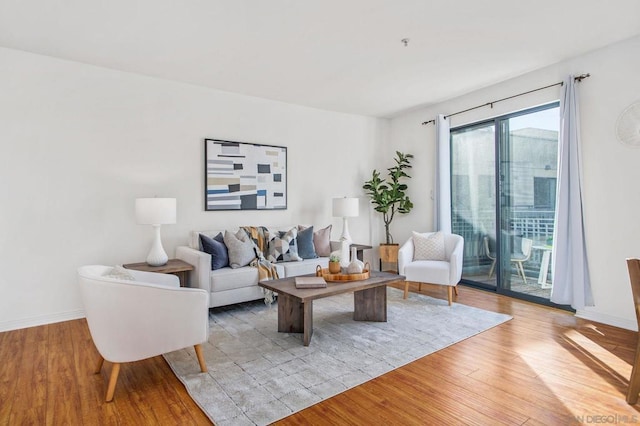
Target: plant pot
[334,267]
[389,257]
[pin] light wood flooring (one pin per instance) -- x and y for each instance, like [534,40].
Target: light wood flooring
[544,367]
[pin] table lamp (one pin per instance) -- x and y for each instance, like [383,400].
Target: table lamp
[344,208]
[156,212]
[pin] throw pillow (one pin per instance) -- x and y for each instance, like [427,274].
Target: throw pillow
[120,273]
[240,249]
[321,240]
[283,248]
[216,248]
[428,247]
[306,249]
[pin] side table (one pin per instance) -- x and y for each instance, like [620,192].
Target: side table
[174,266]
[544,265]
[360,248]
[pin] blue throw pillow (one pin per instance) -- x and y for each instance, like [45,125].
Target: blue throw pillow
[306,249]
[216,248]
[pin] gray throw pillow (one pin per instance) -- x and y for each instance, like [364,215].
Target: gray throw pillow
[240,249]
[306,249]
[216,248]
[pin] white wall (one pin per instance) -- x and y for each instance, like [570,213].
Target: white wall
[611,170]
[79,143]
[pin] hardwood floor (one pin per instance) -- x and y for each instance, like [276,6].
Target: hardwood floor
[544,367]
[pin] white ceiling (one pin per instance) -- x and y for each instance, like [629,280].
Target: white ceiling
[339,55]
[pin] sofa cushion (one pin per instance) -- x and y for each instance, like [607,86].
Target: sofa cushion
[304,267]
[240,248]
[283,247]
[224,279]
[428,271]
[216,248]
[306,249]
[229,279]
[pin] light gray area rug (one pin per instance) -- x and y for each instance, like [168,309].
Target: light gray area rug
[257,375]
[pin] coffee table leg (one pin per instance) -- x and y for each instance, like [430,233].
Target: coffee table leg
[290,314]
[308,322]
[370,304]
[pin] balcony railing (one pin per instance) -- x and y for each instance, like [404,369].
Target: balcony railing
[536,225]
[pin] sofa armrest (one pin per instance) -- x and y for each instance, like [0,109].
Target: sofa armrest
[201,261]
[405,255]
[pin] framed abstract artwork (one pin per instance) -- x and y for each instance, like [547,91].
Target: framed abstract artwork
[244,176]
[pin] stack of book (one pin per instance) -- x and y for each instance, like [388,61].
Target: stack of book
[310,282]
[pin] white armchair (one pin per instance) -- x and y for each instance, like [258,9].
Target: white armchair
[131,320]
[443,272]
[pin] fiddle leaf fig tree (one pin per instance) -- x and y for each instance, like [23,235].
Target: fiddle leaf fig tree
[388,194]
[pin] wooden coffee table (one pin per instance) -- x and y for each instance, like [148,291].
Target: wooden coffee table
[295,305]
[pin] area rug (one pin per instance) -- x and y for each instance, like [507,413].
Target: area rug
[257,375]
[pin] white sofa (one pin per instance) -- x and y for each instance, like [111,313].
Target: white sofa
[227,286]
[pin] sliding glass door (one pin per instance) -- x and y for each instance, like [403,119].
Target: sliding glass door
[503,184]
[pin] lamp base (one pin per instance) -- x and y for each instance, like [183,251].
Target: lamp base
[157,256]
[345,231]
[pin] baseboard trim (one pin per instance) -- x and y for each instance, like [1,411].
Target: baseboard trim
[608,319]
[41,320]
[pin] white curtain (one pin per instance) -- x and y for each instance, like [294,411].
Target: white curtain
[570,269]
[442,191]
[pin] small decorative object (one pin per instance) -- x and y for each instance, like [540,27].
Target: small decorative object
[356,266]
[390,198]
[334,263]
[344,208]
[628,126]
[156,212]
[342,278]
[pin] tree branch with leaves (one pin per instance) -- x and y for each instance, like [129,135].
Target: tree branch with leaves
[388,194]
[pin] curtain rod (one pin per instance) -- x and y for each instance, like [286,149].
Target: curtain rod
[578,78]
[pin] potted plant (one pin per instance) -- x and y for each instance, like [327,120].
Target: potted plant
[334,263]
[389,197]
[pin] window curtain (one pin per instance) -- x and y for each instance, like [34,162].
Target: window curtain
[442,192]
[570,271]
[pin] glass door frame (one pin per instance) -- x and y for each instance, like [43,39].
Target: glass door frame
[500,124]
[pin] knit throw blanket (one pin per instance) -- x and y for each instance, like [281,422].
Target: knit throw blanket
[266,270]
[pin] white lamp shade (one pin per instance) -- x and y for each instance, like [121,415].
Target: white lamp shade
[345,207]
[155,211]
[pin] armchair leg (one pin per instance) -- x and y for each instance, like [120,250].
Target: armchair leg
[112,381]
[520,269]
[99,364]
[406,290]
[455,290]
[634,380]
[449,294]
[493,266]
[419,287]
[199,354]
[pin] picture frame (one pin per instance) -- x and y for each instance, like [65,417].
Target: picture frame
[244,176]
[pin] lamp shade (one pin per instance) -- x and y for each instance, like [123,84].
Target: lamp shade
[155,211]
[345,207]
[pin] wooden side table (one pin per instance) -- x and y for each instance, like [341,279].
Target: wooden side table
[174,266]
[360,248]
